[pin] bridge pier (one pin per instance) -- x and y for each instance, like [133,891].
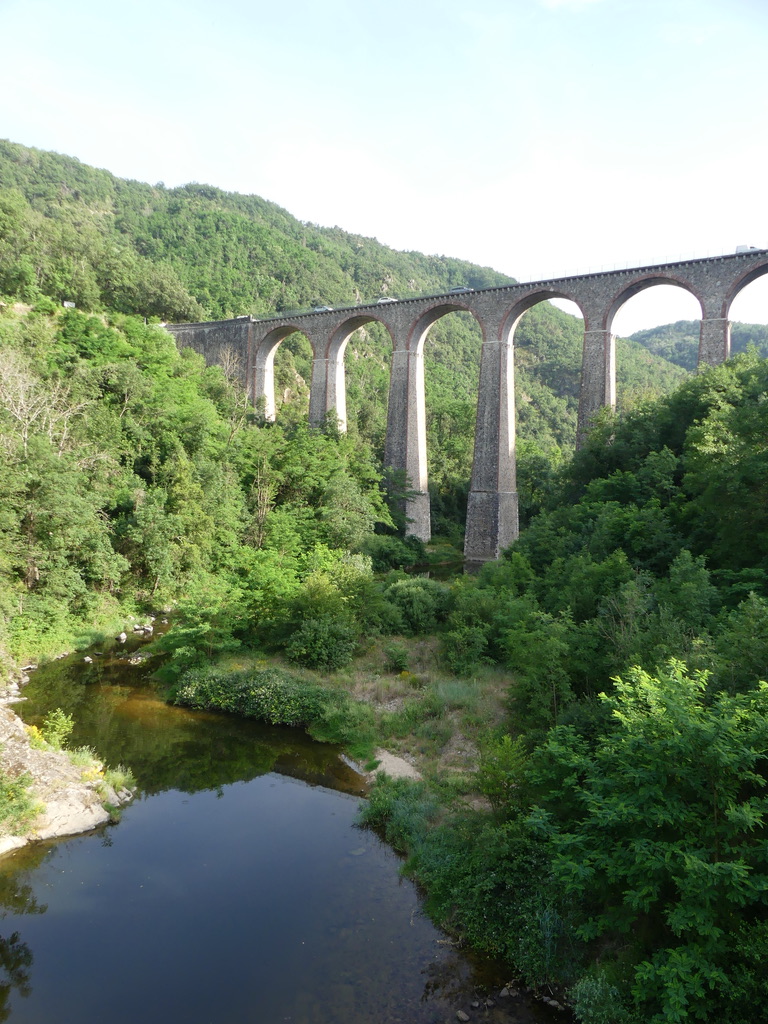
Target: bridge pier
[714,341]
[328,392]
[492,508]
[598,378]
[406,442]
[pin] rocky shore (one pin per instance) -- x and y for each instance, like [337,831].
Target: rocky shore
[71,799]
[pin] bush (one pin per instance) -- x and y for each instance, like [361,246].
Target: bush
[17,810]
[400,810]
[279,698]
[491,884]
[396,658]
[325,643]
[597,1001]
[500,773]
[392,552]
[423,603]
[56,728]
[270,695]
[464,648]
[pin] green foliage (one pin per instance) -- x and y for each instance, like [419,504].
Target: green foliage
[741,646]
[463,648]
[535,646]
[491,885]
[423,603]
[597,1001]
[17,809]
[56,728]
[324,643]
[658,832]
[395,658]
[400,810]
[501,773]
[270,695]
[679,342]
[279,698]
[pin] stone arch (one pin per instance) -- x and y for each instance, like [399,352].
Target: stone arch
[264,365]
[740,283]
[512,316]
[328,390]
[420,327]
[643,284]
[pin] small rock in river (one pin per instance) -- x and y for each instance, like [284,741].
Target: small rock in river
[88,660]
[462,1016]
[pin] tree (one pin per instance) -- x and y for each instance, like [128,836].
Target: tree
[660,833]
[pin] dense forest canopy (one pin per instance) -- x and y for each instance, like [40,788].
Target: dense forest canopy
[623,758]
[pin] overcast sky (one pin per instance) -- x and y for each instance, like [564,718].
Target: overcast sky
[539,137]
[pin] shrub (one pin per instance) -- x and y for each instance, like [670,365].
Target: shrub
[56,728]
[500,773]
[391,552]
[597,1001]
[270,695]
[491,884]
[17,809]
[464,649]
[325,643]
[400,810]
[396,658]
[423,603]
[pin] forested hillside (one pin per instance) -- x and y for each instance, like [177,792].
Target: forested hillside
[679,342]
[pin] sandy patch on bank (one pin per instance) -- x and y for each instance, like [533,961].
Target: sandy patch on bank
[394,766]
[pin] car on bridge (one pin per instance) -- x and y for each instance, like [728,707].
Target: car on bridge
[322,309]
[385,298]
[459,290]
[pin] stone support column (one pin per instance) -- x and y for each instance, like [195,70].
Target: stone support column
[492,509]
[264,380]
[328,391]
[406,442]
[598,377]
[714,341]
[318,392]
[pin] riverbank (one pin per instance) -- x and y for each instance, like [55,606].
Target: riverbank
[67,796]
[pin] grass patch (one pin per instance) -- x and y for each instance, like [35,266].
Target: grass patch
[17,808]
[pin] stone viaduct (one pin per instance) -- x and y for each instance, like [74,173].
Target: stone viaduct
[492,516]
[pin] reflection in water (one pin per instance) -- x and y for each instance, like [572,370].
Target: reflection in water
[17,897]
[15,959]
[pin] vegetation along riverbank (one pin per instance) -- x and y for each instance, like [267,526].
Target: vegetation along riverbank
[586,714]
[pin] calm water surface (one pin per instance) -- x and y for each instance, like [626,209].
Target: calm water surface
[236,888]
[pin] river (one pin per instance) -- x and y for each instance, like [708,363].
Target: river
[236,887]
